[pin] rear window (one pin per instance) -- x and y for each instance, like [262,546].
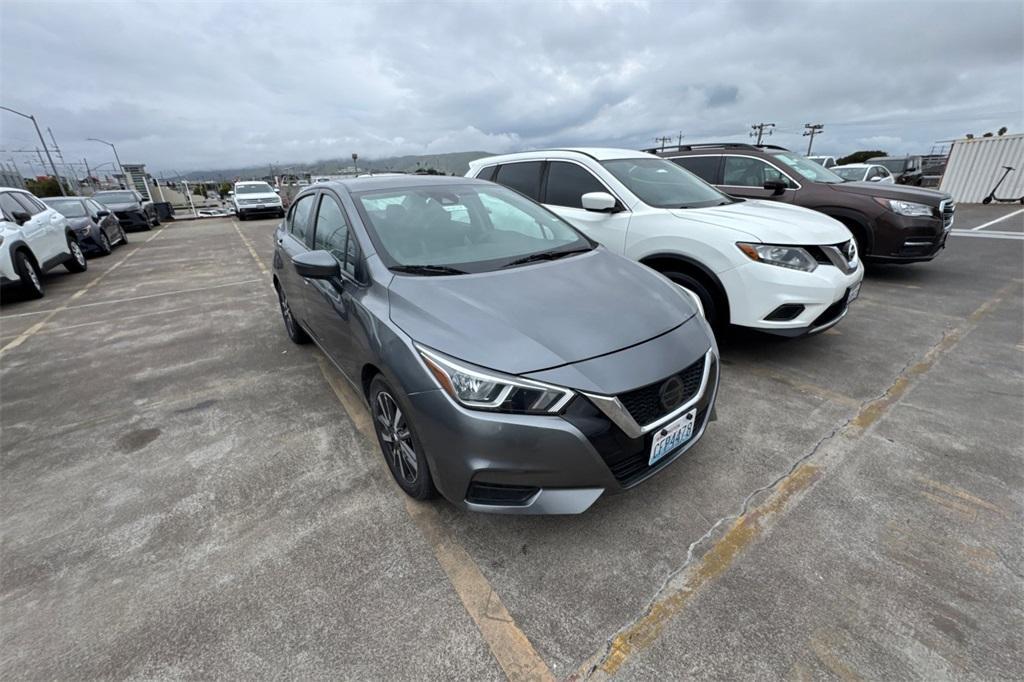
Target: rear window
[487,173]
[523,177]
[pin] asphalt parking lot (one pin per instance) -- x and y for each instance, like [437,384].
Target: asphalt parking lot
[187,494]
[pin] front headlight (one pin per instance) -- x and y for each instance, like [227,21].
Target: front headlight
[481,389]
[792,257]
[907,208]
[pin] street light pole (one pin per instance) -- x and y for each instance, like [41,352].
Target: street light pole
[116,157]
[56,176]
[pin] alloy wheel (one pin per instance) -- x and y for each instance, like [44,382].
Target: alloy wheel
[396,435]
[286,312]
[76,252]
[34,277]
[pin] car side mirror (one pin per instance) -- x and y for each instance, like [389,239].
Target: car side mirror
[777,186]
[598,201]
[877,178]
[21,217]
[316,265]
[102,214]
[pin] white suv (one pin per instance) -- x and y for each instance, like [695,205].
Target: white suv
[33,239]
[761,264]
[255,198]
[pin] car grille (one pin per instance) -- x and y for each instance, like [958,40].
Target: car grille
[947,208]
[820,254]
[628,470]
[645,404]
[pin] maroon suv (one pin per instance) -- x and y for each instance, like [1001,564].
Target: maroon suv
[891,223]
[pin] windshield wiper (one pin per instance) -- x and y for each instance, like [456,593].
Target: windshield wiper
[543,255]
[428,270]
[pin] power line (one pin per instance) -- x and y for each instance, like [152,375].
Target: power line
[758,129]
[662,141]
[812,129]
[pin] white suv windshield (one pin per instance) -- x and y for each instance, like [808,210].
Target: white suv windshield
[663,184]
[470,228]
[261,188]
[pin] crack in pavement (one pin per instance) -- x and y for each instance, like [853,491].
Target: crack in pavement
[674,592]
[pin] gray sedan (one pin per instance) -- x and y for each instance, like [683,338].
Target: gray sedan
[509,362]
[95,225]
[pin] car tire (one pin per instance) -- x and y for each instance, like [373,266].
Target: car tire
[292,327]
[124,236]
[77,261]
[28,273]
[698,288]
[156,219]
[104,244]
[398,441]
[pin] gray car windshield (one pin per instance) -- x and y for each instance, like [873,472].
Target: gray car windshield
[69,208]
[663,184]
[261,188]
[850,174]
[116,197]
[467,228]
[807,168]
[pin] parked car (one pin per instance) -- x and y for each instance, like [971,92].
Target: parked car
[133,210]
[826,161]
[502,353]
[864,172]
[890,223]
[775,268]
[256,198]
[95,226]
[908,170]
[33,239]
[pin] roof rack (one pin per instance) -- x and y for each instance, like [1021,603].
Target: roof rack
[712,145]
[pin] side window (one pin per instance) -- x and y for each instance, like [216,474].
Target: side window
[745,171]
[487,173]
[28,203]
[9,205]
[94,208]
[333,235]
[298,219]
[704,167]
[567,182]
[523,177]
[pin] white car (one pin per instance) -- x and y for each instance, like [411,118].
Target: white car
[864,172]
[826,161]
[256,198]
[33,239]
[761,264]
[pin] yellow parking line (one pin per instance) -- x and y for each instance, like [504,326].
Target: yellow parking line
[252,250]
[508,644]
[28,333]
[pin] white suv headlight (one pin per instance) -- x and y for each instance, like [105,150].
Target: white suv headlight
[792,257]
[907,208]
[481,389]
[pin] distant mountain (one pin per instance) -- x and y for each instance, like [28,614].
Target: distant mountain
[455,163]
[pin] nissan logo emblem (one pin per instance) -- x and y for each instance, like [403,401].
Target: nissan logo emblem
[671,393]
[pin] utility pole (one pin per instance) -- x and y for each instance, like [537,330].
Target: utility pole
[88,174]
[758,130]
[662,141]
[355,162]
[117,158]
[681,136]
[32,118]
[812,129]
[69,172]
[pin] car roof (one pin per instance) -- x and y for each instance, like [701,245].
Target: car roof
[596,153]
[14,189]
[379,182]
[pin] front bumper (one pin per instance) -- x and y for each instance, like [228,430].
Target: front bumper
[765,290]
[540,464]
[271,210]
[904,239]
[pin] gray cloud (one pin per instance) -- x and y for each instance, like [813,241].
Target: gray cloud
[189,85]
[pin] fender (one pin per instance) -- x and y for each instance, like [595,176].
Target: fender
[856,217]
[13,246]
[689,261]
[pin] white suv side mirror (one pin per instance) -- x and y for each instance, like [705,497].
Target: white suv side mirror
[598,201]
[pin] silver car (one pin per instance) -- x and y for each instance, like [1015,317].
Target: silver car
[509,362]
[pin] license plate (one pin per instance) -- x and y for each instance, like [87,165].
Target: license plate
[261,205]
[854,292]
[671,436]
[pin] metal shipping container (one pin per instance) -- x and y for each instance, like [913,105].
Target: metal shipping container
[976,165]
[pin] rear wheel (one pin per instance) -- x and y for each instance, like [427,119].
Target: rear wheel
[398,441]
[712,311]
[104,244]
[28,273]
[77,261]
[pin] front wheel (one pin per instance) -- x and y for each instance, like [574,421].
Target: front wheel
[398,441]
[156,220]
[77,261]
[28,273]
[295,332]
[707,299]
[124,236]
[104,241]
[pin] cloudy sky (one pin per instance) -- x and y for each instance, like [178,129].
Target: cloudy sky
[182,86]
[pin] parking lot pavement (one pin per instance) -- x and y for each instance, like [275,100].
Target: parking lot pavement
[185,493]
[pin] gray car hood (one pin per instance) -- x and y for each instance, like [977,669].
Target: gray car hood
[536,317]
